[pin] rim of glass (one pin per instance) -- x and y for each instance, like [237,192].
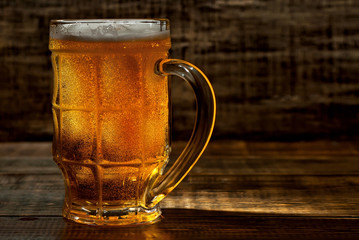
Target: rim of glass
[112,20]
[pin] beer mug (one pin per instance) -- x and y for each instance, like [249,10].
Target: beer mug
[111,114]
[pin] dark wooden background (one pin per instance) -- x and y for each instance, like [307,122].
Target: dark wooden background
[282,70]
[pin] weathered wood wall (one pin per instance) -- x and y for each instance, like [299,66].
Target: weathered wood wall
[282,70]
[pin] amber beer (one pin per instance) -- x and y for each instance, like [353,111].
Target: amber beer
[111,118]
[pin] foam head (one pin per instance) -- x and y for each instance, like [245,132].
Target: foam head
[109,30]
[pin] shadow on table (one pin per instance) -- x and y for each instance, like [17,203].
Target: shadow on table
[204,224]
[174,224]
[189,224]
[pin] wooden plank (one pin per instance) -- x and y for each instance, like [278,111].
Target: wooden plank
[325,183]
[295,149]
[323,148]
[26,194]
[28,149]
[209,165]
[187,224]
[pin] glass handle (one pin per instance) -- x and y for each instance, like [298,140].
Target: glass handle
[202,131]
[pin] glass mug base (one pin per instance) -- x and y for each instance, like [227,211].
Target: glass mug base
[112,216]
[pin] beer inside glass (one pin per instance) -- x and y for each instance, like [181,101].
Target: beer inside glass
[111,117]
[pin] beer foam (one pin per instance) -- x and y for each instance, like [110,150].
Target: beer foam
[109,30]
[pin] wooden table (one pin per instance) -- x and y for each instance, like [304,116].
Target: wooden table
[238,190]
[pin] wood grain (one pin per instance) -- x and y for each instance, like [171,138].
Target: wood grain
[282,70]
[186,224]
[311,181]
[26,195]
[238,190]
